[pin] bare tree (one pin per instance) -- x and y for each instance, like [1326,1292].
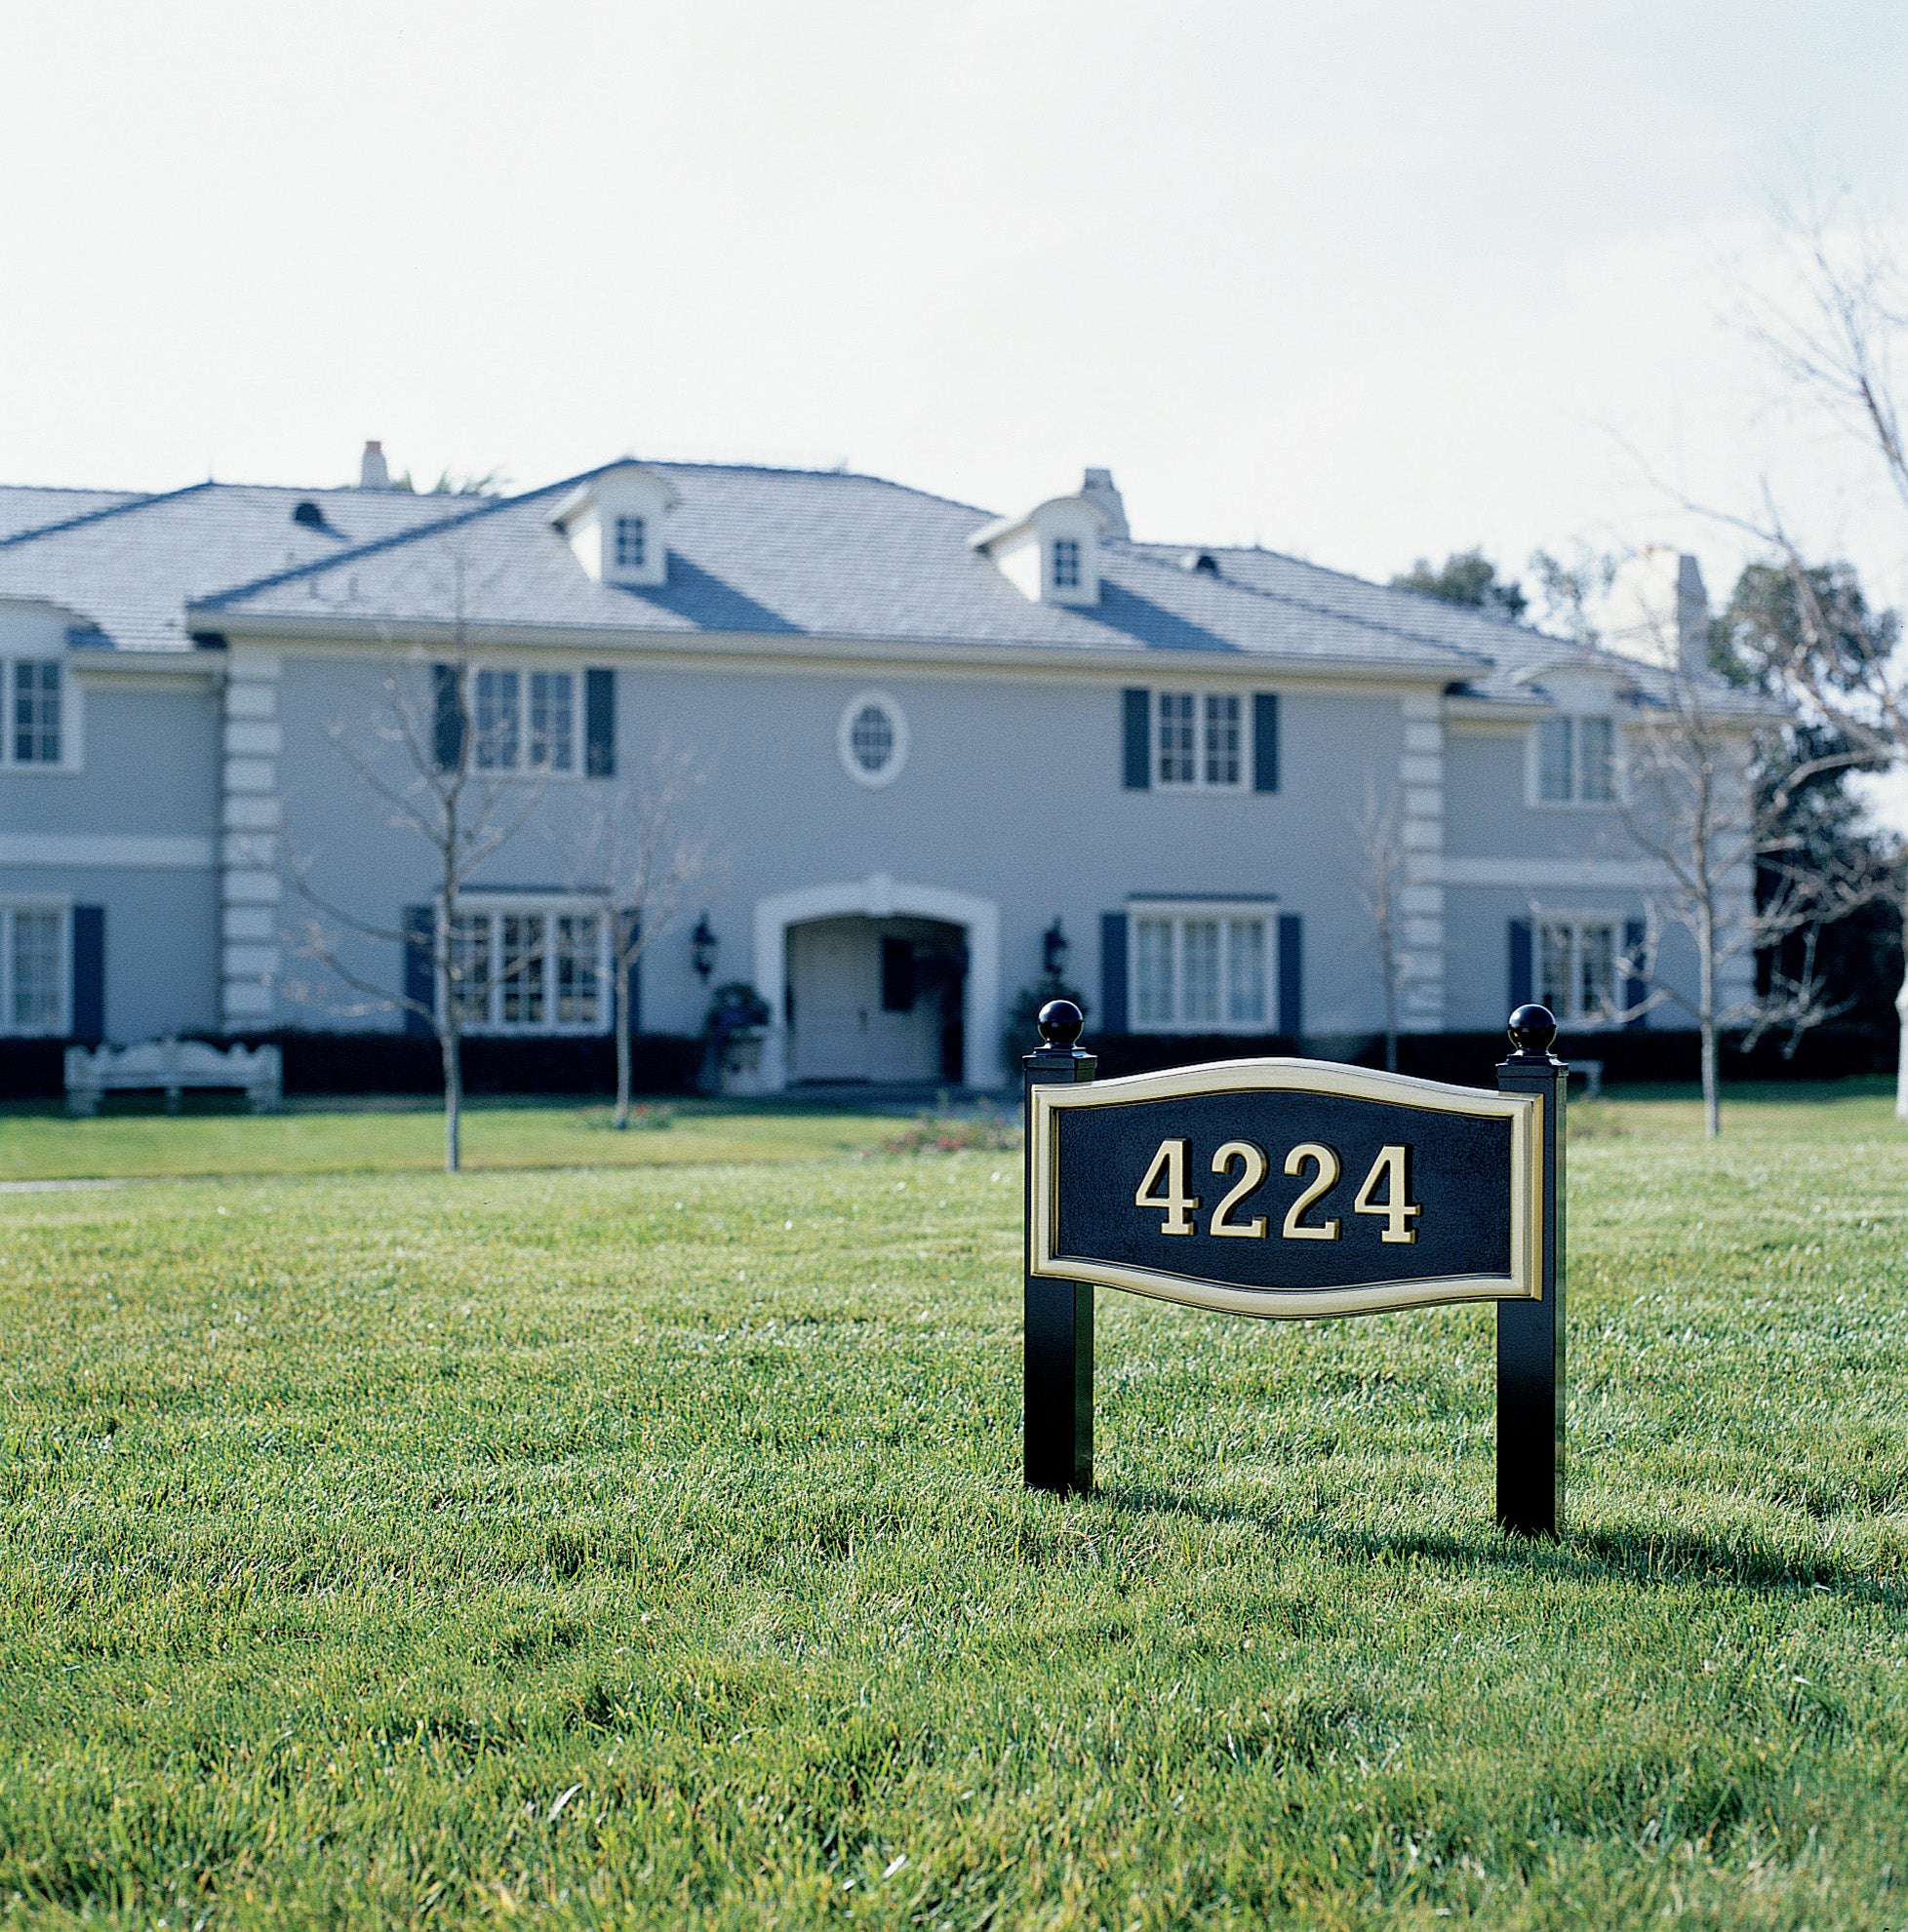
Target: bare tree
[1834,342]
[423,764]
[640,865]
[1691,806]
[1379,831]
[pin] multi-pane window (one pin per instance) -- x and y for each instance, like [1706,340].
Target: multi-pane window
[1201,971]
[530,970]
[33,733]
[1576,968]
[1066,563]
[579,970]
[499,696]
[525,996]
[1577,761]
[632,543]
[552,721]
[1223,738]
[525,721]
[871,738]
[1177,738]
[32,977]
[471,976]
[1200,739]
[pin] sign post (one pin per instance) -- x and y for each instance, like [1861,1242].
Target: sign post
[1530,1333]
[1297,1189]
[1058,1432]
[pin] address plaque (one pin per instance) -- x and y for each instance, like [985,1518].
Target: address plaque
[1287,1188]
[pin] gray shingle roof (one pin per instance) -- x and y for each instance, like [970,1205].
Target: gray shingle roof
[752,552]
[823,555]
[132,564]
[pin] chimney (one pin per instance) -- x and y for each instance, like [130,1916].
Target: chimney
[1658,611]
[373,473]
[1098,489]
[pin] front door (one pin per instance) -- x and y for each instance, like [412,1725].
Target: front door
[830,988]
[871,1000]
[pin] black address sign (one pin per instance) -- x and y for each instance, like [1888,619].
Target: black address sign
[1286,1188]
[1298,1188]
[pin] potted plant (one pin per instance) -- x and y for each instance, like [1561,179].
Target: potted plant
[736,1019]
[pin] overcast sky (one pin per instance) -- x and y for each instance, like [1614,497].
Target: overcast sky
[1358,282]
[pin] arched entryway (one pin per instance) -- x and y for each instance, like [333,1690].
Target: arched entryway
[883,981]
[875,1001]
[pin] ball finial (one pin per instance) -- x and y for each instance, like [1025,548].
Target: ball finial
[1532,1032]
[1061,1023]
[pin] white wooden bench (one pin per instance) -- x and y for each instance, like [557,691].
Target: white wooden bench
[1591,1073]
[169,1067]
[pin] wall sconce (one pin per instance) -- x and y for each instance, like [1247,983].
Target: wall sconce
[1054,945]
[702,944]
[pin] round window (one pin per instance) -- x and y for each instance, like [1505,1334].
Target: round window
[872,738]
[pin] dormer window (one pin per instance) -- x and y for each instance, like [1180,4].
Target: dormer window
[1051,555]
[614,521]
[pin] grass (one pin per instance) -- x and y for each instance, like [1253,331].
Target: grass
[331,1138]
[646,1545]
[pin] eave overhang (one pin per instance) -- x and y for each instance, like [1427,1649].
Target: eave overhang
[273,628]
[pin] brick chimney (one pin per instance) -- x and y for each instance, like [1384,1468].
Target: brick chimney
[373,472]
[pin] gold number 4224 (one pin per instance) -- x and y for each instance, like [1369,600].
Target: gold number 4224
[1164,1187]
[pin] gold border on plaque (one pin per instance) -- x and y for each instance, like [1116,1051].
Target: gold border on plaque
[1524,1112]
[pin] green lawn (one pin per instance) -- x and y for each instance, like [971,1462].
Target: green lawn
[643,1544]
[408,1137]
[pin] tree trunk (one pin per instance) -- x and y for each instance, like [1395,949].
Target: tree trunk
[1712,1120]
[453,1101]
[1902,1053]
[623,1047]
[1391,977]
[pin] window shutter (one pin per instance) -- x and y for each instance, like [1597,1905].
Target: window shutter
[447,733]
[1265,741]
[1113,969]
[1519,964]
[89,974]
[1292,975]
[630,929]
[1635,988]
[1138,712]
[600,723]
[420,965]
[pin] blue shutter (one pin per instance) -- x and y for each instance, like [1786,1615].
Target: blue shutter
[447,726]
[600,723]
[420,965]
[1138,712]
[1113,970]
[1636,989]
[89,974]
[1519,964]
[1292,975]
[1265,741]
[629,926]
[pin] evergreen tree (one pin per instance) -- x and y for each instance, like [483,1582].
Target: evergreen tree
[1469,578]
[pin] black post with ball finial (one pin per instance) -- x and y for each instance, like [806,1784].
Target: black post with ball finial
[1530,1333]
[1059,1441]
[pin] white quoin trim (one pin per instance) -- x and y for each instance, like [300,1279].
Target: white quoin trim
[879,896]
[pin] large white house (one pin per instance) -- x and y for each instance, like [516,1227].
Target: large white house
[932,744]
